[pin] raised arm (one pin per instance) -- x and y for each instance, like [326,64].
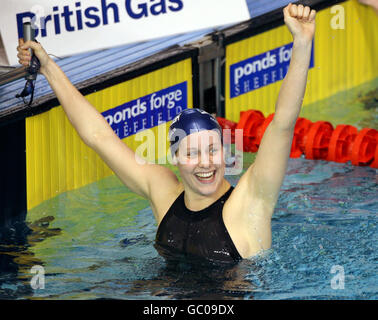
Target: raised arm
[249,211]
[268,171]
[95,131]
[87,121]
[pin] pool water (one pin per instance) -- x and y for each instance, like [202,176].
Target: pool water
[97,242]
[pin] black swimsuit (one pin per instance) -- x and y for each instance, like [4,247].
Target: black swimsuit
[196,233]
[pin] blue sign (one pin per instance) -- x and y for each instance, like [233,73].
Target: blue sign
[261,70]
[148,111]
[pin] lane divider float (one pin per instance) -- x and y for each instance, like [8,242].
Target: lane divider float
[316,140]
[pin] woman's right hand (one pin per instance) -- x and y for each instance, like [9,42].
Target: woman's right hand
[24,56]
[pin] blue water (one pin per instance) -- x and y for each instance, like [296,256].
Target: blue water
[97,242]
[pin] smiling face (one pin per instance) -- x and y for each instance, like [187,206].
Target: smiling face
[200,161]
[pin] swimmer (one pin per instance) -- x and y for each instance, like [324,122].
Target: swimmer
[202,215]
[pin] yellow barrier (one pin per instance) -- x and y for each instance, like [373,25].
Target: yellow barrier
[343,59]
[56,158]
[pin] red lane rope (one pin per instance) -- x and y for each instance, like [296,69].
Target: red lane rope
[316,140]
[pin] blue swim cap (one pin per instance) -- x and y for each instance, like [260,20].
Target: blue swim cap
[190,121]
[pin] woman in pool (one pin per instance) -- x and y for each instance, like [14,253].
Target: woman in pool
[203,215]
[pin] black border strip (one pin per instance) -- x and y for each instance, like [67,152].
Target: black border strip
[13,200]
[195,80]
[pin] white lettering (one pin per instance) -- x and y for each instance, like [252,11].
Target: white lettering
[337,282]
[338,20]
[38,281]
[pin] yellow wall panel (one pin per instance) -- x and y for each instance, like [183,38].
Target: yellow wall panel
[343,58]
[57,159]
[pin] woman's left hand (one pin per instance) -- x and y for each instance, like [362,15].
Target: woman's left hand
[300,20]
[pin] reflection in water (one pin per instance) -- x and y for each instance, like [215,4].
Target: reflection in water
[16,259]
[182,278]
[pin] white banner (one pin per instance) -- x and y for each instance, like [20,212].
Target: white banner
[67,27]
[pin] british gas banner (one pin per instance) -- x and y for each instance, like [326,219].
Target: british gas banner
[66,27]
[147,111]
